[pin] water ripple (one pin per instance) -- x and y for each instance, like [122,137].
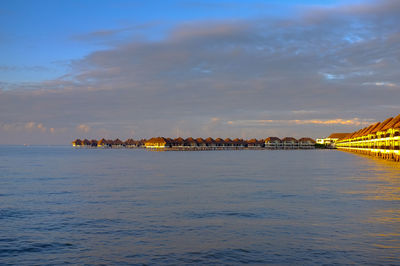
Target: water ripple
[213,214]
[33,247]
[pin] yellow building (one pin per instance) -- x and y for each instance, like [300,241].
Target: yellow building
[157,143]
[331,140]
[381,139]
[77,143]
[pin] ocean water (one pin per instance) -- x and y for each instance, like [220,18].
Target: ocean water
[60,205]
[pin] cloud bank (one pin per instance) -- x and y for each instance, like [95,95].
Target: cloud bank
[323,70]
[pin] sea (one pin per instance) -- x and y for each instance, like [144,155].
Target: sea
[63,205]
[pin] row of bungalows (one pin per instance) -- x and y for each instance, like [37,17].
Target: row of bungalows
[200,143]
[218,143]
[289,143]
[117,143]
[381,139]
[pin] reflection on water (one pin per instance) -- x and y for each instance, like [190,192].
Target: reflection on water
[62,205]
[382,188]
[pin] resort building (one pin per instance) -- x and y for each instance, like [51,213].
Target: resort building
[381,139]
[130,143]
[178,142]
[331,140]
[306,143]
[117,144]
[77,143]
[200,143]
[157,143]
[190,142]
[102,143]
[273,143]
[210,142]
[255,144]
[290,143]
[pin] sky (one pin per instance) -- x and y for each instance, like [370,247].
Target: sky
[247,69]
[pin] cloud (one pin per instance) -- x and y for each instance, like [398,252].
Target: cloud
[112,37]
[41,127]
[337,121]
[6,68]
[30,125]
[381,83]
[23,127]
[321,68]
[215,120]
[83,128]
[35,126]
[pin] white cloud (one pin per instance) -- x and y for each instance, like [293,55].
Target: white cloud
[288,66]
[83,128]
[328,122]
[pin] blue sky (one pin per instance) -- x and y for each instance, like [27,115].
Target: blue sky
[195,68]
[40,37]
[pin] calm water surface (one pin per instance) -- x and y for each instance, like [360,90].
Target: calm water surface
[60,205]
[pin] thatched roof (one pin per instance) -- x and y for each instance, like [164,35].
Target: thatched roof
[392,123]
[77,142]
[382,125]
[101,142]
[130,142]
[209,141]
[118,142]
[178,141]
[200,140]
[306,139]
[158,140]
[289,139]
[190,142]
[338,135]
[397,125]
[372,128]
[228,141]
[219,141]
[273,139]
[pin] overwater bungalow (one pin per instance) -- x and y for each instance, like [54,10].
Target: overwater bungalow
[238,143]
[86,143]
[130,143]
[77,143]
[331,140]
[190,142]
[93,143]
[273,143]
[141,143]
[290,143]
[178,142]
[101,143]
[219,142]
[201,142]
[228,142]
[210,142]
[157,143]
[117,144]
[255,144]
[306,143]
